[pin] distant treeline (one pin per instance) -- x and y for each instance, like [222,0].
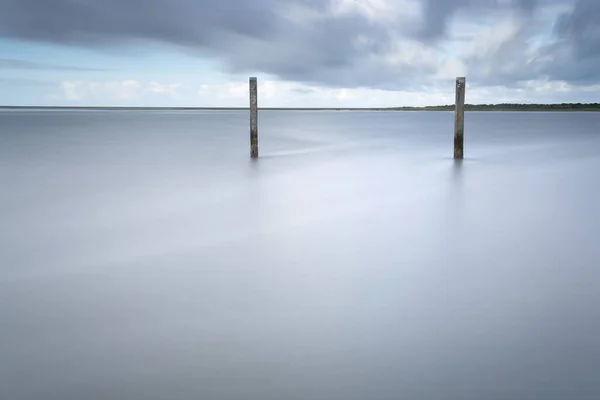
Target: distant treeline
[468,107]
[513,107]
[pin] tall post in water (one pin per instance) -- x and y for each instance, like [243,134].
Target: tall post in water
[459,118]
[253,118]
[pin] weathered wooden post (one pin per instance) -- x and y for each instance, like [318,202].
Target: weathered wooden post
[253,118]
[459,118]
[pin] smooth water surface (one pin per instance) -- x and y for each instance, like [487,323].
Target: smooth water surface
[143,255]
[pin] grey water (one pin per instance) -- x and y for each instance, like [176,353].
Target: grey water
[143,255]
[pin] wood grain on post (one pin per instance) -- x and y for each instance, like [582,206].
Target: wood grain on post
[253,118]
[459,118]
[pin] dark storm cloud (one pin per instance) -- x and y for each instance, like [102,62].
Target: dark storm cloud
[303,40]
[581,27]
[227,28]
[576,55]
[572,51]
[324,51]
[437,13]
[249,35]
[107,21]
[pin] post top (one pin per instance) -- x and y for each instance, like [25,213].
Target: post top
[461,78]
[252,78]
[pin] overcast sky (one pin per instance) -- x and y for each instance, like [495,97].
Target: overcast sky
[304,52]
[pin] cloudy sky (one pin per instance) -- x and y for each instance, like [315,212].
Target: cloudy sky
[304,52]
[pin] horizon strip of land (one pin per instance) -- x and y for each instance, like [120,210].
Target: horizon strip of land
[468,107]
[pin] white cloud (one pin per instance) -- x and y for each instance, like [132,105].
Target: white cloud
[450,69]
[115,91]
[73,91]
[274,93]
[277,93]
[380,11]
[558,87]
[169,89]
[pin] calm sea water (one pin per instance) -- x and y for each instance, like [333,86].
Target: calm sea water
[144,256]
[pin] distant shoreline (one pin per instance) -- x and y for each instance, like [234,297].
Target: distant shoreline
[468,107]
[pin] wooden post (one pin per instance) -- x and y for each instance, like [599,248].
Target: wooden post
[253,119]
[459,118]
